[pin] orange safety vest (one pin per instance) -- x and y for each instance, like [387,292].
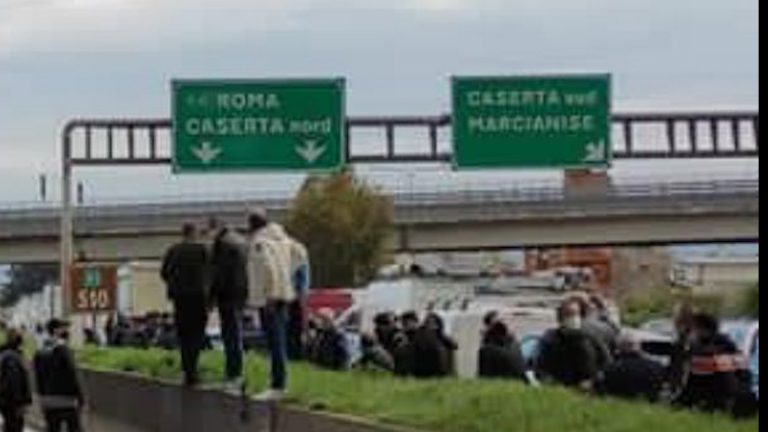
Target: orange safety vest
[720,363]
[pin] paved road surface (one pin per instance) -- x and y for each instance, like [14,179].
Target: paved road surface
[90,423]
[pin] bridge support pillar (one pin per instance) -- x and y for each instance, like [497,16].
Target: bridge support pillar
[579,183]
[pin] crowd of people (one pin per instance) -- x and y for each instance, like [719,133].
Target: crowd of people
[587,351]
[264,275]
[706,371]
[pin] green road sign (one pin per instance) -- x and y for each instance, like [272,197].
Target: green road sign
[532,122]
[92,277]
[266,125]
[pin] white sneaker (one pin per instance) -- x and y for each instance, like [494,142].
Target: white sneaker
[234,385]
[271,395]
[530,377]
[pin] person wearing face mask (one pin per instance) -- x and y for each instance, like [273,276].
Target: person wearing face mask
[61,394]
[601,333]
[566,354]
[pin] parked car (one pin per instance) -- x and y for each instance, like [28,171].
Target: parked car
[746,335]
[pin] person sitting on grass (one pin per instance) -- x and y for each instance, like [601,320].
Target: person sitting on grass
[328,349]
[432,349]
[718,376]
[403,341]
[500,355]
[567,355]
[385,328]
[374,356]
[632,375]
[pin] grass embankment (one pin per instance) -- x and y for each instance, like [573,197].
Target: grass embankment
[446,405]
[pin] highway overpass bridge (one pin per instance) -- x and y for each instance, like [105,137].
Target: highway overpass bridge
[651,213]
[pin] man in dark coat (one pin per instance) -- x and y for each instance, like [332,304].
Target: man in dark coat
[386,331]
[632,375]
[500,355]
[229,292]
[58,384]
[567,355]
[15,393]
[185,272]
[432,349]
[403,342]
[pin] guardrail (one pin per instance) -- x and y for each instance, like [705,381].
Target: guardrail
[621,194]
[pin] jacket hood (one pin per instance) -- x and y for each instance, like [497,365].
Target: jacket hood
[273,231]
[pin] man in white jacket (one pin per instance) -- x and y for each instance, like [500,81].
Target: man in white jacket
[270,290]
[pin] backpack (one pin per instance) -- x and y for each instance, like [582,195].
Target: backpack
[43,365]
[11,385]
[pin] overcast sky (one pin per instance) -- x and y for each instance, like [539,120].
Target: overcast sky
[72,58]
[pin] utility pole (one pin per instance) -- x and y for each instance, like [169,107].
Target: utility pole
[80,193]
[43,188]
[65,259]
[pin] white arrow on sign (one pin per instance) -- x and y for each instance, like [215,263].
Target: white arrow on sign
[310,151]
[206,152]
[595,152]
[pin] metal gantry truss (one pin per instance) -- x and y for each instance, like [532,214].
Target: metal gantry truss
[707,135]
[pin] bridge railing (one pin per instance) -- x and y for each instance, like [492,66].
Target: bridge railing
[611,191]
[621,194]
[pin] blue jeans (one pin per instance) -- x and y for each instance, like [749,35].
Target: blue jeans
[274,320]
[232,336]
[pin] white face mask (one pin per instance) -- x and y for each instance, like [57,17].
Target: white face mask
[573,322]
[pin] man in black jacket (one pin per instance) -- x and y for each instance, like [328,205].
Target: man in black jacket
[567,355]
[432,349]
[61,395]
[229,292]
[500,355]
[15,393]
[386,331]
[185,272]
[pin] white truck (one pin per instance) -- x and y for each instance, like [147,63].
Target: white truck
[419,294]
